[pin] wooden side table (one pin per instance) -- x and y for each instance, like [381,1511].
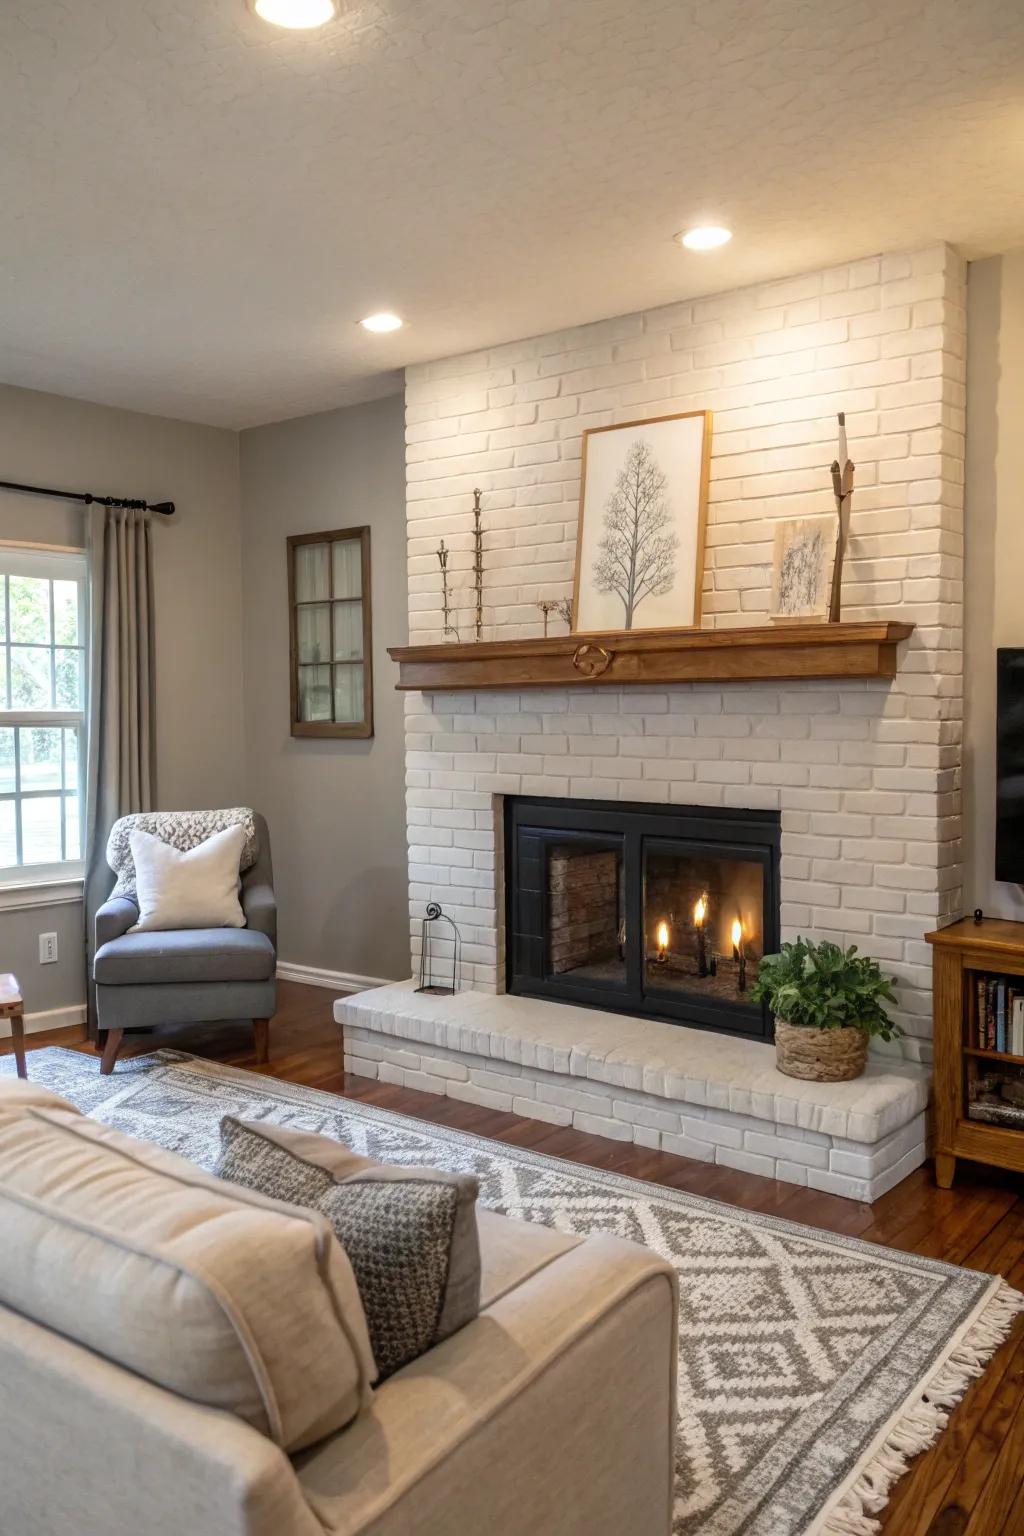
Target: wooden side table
[12,1007]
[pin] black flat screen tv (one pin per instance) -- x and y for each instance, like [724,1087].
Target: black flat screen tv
[1010,764]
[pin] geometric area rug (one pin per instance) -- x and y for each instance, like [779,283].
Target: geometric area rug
[811,1366]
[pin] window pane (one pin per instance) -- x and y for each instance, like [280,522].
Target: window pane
[8,837]
[70,759]
[348,567]
[40,830]
[30,677]
[73,845]
[4,704]
[348,694]
[311,573]
[313,631]
[65,613]
[68,677]
[348,631]
[39,751]
[314,693]
[6,759]
[30,609]
[3,607]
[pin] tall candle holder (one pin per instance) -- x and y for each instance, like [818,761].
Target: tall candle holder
[700,914]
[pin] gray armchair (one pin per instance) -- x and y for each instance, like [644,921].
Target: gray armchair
[189,975]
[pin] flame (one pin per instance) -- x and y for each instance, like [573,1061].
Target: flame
[700,911]
[737,934]
[662,935]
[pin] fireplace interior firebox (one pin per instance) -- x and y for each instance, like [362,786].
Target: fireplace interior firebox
[659,910]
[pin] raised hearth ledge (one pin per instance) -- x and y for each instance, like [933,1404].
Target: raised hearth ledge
[693,1092]
[762,653]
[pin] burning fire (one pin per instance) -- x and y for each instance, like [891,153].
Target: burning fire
[737,934]
[700,911]
[661,935]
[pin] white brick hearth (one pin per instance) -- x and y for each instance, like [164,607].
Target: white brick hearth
[696,1093]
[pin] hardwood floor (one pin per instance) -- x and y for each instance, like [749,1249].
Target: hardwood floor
[970,1484]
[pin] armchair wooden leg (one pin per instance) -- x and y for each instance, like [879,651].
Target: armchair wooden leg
[18,1035]
[110,1049]
[261,1030]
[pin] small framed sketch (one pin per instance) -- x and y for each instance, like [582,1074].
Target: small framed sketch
[331,633]
[643,510]
[802,564]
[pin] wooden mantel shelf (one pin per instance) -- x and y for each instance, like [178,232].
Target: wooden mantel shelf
[781,653]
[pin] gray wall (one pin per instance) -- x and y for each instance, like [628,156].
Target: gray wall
[197,572]
[336,808]
[994,549]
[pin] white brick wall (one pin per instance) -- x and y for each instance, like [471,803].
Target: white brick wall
[867,776]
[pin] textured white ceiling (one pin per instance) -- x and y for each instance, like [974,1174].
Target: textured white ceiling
[195,208]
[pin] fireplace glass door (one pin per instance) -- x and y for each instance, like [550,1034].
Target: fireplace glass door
[643,909]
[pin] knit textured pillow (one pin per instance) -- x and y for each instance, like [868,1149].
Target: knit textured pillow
[182,830]
[410,1234]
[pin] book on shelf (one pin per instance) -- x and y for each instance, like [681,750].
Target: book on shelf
[1017,1027]
[999,1017]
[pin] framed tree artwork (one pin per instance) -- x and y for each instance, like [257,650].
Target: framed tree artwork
[331,633]
[643,510]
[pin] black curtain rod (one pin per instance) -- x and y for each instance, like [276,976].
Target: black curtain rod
[165,508]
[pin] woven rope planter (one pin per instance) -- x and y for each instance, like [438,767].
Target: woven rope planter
[820,1055]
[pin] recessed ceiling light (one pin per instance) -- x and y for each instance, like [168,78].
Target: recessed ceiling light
[706,237]
[296,14]
[382,322]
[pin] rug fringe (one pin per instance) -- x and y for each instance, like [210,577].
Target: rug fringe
[923,1422]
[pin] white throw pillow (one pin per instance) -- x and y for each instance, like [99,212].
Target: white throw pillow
[196,889]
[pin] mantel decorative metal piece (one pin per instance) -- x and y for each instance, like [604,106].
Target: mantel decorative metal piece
[478,564]
[448,630]
[439,974]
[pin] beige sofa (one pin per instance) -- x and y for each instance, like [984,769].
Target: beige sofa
[553,1412]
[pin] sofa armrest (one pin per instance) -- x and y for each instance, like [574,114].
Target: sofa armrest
[114,918]
[260,907]
[571,1374]
[90,1448]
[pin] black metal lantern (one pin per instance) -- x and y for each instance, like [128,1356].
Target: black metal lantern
[439,973]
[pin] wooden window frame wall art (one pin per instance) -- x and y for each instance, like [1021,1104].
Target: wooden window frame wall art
[331,728]
[677,531]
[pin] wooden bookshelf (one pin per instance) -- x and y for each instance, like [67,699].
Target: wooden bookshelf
[992,948]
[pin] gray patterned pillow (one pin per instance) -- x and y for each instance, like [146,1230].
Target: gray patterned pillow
[182,830]
[410,1233]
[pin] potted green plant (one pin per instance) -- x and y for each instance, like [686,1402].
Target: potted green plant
[828,1001]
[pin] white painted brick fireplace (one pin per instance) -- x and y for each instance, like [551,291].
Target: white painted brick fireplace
[866,776]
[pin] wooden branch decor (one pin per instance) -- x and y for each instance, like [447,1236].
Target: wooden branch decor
[842,487]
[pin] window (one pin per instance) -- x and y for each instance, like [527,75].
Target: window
[42,714]
[329,603]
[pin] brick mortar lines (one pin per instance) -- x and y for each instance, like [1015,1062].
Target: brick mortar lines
[867,776]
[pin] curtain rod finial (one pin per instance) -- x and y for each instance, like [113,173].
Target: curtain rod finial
[165,507]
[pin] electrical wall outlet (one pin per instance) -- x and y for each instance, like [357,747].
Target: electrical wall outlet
[47,948]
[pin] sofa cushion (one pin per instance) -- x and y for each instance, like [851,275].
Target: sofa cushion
[410,1233]
[189,954]
[216,1293]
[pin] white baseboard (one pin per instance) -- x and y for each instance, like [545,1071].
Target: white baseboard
[52,1018]
[334,981]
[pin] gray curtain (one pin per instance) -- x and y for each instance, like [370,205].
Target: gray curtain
[119,759]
